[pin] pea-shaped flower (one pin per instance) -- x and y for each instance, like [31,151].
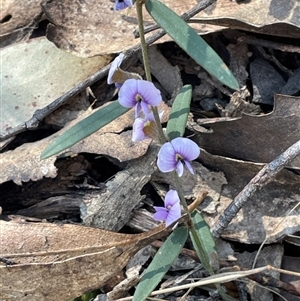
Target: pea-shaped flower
[171,212]
[176,154]
[118,76]
[115,66]
[139,94]
[122,4]
[144,128]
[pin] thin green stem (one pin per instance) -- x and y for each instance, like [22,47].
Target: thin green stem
[139,11]
[179,189]
[162,137]
[204,258]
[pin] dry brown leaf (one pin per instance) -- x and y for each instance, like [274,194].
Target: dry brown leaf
[43,261]
[262,16]
[24,164]
[89,28]
[18,19]
[256,138]
[264,211]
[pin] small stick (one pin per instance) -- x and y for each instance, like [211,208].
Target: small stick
[265,176]
[269,44]
[186,16]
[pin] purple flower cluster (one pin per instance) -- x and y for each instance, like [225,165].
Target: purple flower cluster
[174,155]
[138,94]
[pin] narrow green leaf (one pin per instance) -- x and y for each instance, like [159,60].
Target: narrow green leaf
[84,128]
[161,263]
[204,243]
[191,42]
[179,114]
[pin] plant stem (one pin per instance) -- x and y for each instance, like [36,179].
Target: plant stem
[179,189]
[139,11]
[162,137]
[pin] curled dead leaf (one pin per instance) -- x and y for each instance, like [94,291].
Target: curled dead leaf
[43,261]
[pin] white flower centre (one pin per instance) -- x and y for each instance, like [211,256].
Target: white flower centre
[178,157]
[138,98]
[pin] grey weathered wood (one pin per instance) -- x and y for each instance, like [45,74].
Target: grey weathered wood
[112,209]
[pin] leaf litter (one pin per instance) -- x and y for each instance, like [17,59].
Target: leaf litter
[233,151]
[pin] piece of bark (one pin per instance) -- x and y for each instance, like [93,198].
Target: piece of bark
[266,81]
[167,75]
[112,209]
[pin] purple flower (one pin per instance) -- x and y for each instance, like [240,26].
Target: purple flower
[122,4]
[144,128]
[114,67]
[177,153]
[171,212]
[139,94]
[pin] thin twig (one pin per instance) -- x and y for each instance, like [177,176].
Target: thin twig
[265,176]
[186,16]
[268,44]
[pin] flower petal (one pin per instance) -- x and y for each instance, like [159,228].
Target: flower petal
[127,93]
[137,110]
[187,148]
[161,213]
[149,93]
[189,166]
[166,161]
[138,130]
[171,198]
[174,214]
[141,92]
[119,5]
[145,107]
[179,168]
[114,66]
[129,3]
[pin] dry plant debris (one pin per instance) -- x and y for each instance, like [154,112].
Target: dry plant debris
[72,259]
[108,182]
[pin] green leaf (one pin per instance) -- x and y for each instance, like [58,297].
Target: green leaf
[84,128]
[191,42]
[179,114]
[204,243]
[161,263]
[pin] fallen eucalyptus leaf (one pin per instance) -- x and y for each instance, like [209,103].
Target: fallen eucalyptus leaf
[23,94]
[261,16]
[256,138]
[89,28]
[57,262]
[263,213]
[18,20]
